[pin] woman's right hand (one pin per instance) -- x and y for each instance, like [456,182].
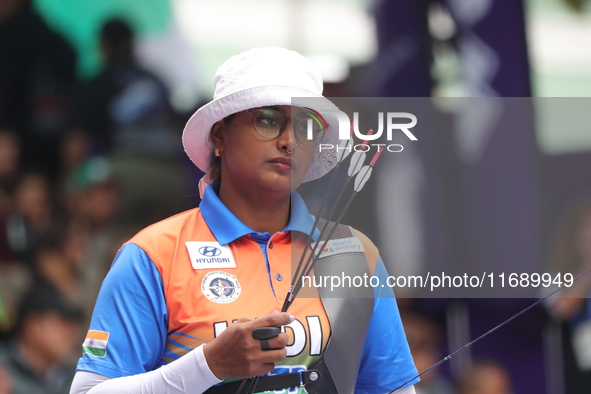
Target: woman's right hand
[236,354]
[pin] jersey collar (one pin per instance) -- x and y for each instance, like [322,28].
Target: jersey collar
[226,227]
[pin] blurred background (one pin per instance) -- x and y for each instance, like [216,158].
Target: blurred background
[94,96]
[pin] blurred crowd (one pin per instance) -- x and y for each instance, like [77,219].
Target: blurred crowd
[425,338]
[83,166]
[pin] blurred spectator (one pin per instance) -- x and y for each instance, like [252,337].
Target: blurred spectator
[37,76]
[485,377]
[38,355]
[33,215]
[74,150]
[125,108]
[126,112]
[31,218]
[5,382]
[63,260]
[572,254]
[54,266]
[9,171]
[9,167]
[424,340]
[4,321]
[92,199]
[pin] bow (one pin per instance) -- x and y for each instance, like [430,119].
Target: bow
[515,316]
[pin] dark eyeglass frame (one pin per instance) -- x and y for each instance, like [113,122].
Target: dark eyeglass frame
[301,134]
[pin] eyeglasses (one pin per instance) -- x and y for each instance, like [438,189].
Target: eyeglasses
[308,125]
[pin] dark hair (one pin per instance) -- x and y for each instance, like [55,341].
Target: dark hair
[117,35]
[45,299]
[215,167]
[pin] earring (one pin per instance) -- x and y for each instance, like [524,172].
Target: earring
[217,152]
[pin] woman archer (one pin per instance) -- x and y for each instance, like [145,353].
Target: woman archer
[179,307]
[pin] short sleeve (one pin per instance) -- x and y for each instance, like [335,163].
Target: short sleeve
[127,334]
[386,362]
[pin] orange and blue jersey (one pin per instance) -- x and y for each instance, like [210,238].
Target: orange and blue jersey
[180,282]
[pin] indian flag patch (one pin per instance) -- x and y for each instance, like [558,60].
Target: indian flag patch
[95,343]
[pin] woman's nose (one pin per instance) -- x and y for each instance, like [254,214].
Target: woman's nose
[287,139]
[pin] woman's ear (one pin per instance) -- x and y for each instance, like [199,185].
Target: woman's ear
[217,135]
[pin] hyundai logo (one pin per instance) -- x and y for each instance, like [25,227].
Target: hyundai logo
[209,251]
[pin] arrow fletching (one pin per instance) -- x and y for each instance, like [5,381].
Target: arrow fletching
[362,178]
[343,149]
[357,161]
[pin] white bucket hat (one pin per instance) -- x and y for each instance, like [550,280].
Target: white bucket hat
[263,77]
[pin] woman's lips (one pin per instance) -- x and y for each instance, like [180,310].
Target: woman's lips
[283,163]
